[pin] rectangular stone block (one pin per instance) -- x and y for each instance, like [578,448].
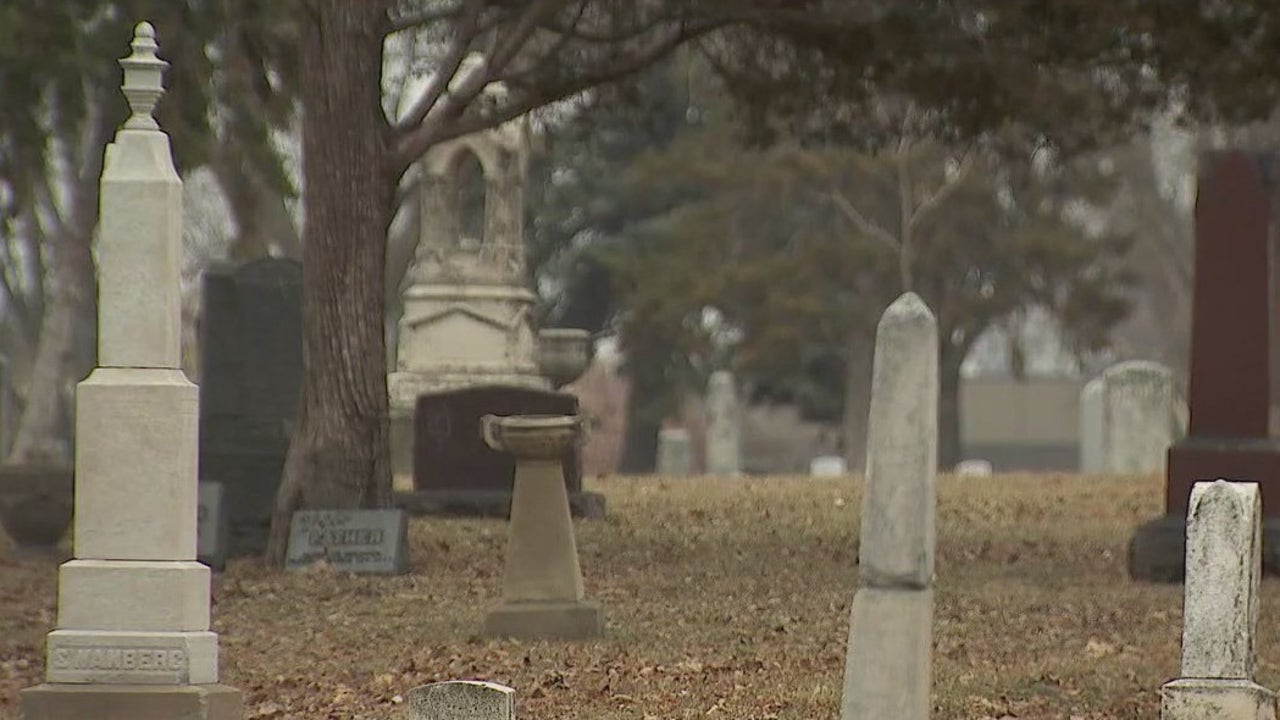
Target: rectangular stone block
[212,526]
[358,541]
[136,459]
[133,595]
[140,254]
[132,702]
[896,539]
[888,667]
[1205,699]
[131,658]
[1224,567]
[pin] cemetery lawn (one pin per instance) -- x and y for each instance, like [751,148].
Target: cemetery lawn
[723,598]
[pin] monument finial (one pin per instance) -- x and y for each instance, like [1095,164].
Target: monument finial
[143,75]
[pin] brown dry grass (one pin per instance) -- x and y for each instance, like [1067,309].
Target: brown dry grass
[724,598]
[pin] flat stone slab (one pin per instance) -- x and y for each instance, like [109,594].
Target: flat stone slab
[1210,699]
[582,620]
[357,541]
[131,702]
[889,669]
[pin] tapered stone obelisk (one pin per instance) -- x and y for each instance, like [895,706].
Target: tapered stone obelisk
[888,667]
[132,639]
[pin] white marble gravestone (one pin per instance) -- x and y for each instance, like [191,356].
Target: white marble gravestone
[724,425]
[133,637]
[1220,609]
[1139,417]
[888,667]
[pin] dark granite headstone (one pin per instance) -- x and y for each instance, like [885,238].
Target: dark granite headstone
[251,372]
[358,541]
[211,526]
[1231,385]
[449,452]
[456,473]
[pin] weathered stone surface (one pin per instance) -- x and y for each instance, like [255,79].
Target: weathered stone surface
[898,507]
[1091,427]
[569,621]
[542,589]
[888,671]
[358,541]
[675,452]
[724,425]
[140,254]
[461,700]
[133,595]
[542,554]
[132,658]
[1140,419]
[1208,699]
[1224,566]
[136,465]
[132,702]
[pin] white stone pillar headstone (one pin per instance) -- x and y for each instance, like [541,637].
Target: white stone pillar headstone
[675,452]
[1139,417]
[133,606]
[888,669]
[1091,430]
[724,425]
[1220,608]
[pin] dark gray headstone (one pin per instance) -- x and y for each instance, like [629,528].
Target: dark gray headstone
[449,453]
[250,375]
[358,541]
[211,526]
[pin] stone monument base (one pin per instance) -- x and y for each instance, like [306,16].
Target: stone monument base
[1243,459]
[562,620]
[1195,698]
[488,503]
[131,702]
[1157,551]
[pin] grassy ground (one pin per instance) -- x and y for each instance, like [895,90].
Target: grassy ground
[724,598]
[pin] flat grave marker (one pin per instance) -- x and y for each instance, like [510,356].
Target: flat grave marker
[357,541]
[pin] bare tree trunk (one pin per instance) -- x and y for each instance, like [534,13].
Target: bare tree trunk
[66,348]
[339,457]
[857,396]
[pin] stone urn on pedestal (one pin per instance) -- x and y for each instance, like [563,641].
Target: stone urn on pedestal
[542,592]
[563,354]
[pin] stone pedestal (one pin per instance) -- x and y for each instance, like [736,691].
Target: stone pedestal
[131,702]
[542,592]
[1211,699]
[133,635]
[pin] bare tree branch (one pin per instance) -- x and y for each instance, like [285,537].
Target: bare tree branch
[421,18]
[465,31]
[860,221]
[939,196]
[410,145]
